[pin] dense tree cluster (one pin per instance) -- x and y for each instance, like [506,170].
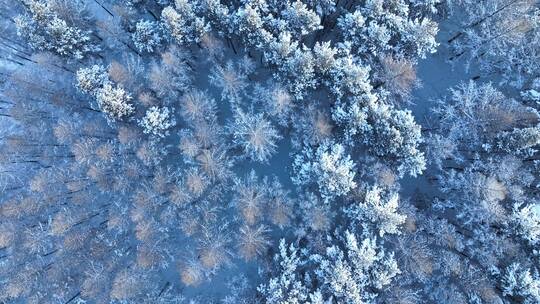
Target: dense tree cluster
[265,151]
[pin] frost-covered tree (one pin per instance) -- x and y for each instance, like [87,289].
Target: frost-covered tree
[230,80]
[300,19]
[377,212]
[393,133]
[280,203]
[398,77]
[325,57]
[387,27]
[171,76]
[252,241]
[485,182]
[147,36]
[322,7]
[46,31]
[519,140]
[111,99]
[501,36]
[129,284]
[130,72]
[316,215]
[287,286]
[389,133]
[249,22]
[349,77]
[89,80]
[277,101]
[249,198]
[107,214]
[485,110]
[329,166]
[519,282]
[254,134]
[532,93]
[352,274]
[182,22]
[441,148]
[355,274]
[197,106]
[299,72]
[313,127]
[157,121]
[114,101]
[527,222]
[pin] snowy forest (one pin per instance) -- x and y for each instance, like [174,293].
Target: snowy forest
[269,151]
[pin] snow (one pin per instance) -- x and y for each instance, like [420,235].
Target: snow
[338,172]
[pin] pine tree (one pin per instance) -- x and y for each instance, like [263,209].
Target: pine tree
[329,167]
[157,121]
[46,31]
[147,36]
[377,212]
